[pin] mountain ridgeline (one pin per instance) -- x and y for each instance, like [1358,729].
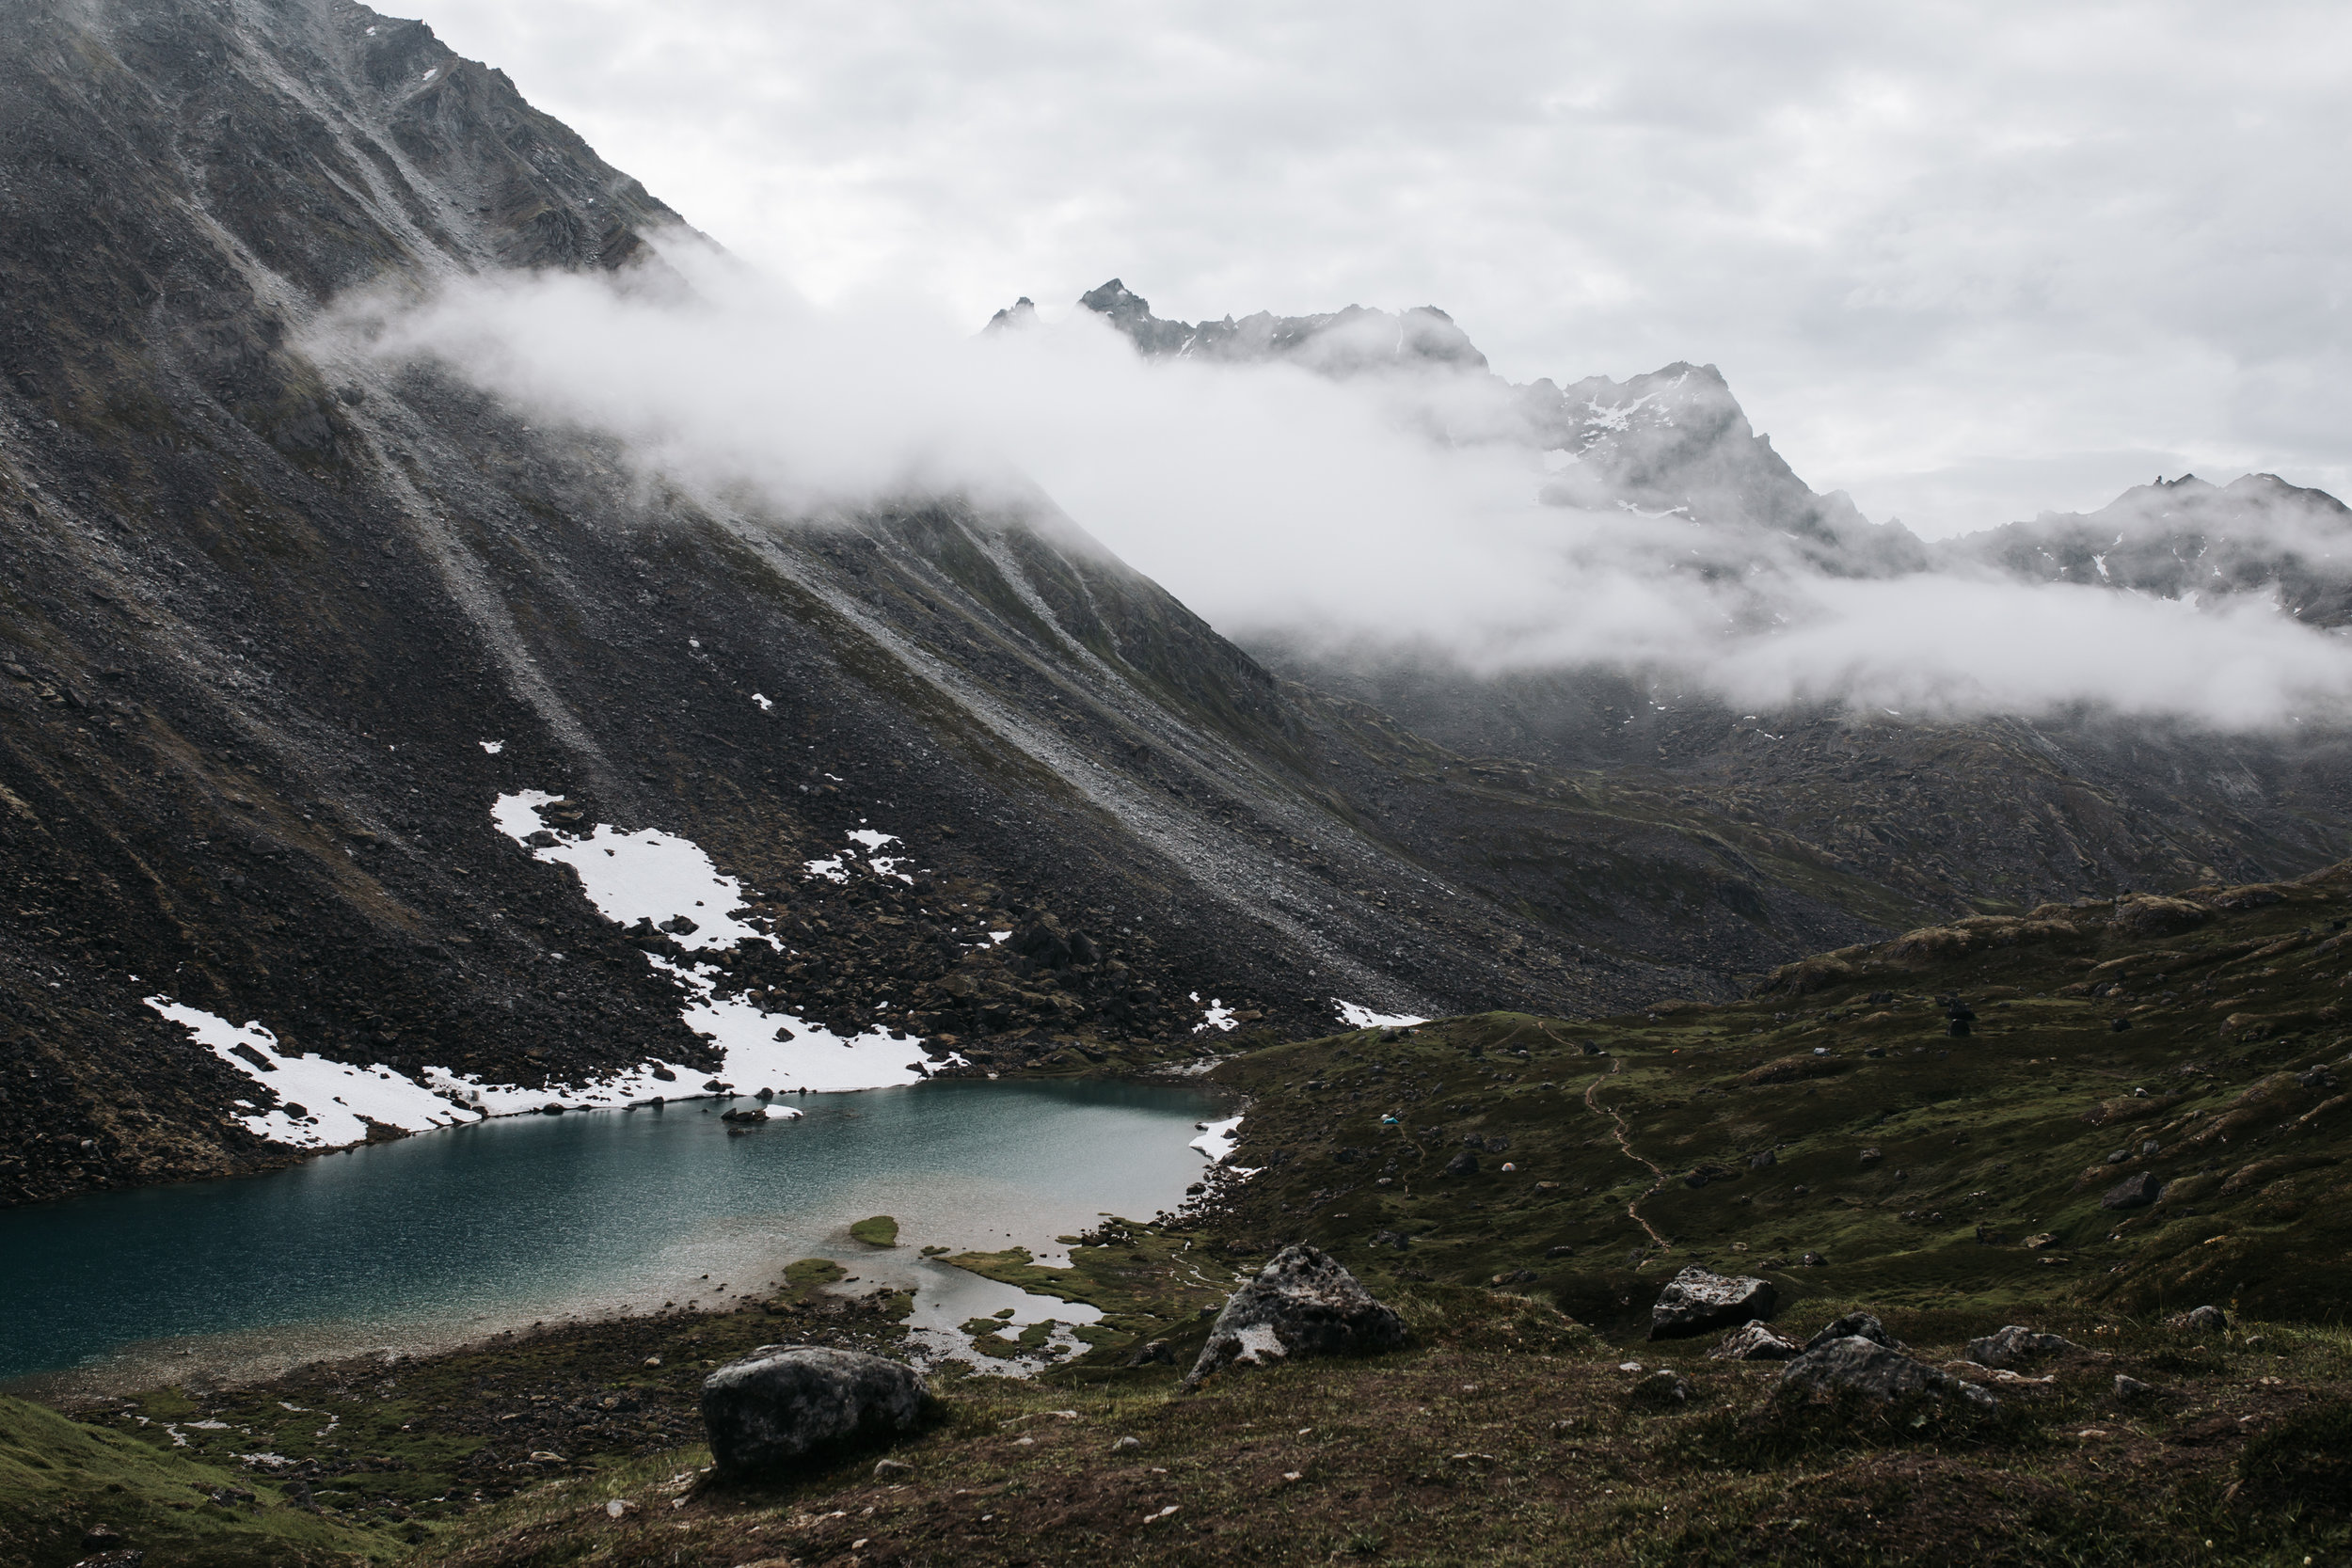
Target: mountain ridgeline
[280,620]
[1994,813]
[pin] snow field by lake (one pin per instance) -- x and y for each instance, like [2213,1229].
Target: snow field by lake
[335,1094]
[813,1058]
[1218,1138]
[653,875]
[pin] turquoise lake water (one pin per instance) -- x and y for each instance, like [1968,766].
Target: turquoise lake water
[418,1244]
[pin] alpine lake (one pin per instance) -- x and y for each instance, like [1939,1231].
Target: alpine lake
[427,1242]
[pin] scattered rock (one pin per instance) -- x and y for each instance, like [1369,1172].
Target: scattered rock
[126,1557]
[1396,1239]
[2199,1319]
[1755,1341]
[1127,1445]
[2133,1191]
[1697,1301]
[1854,1364]
[2015,1344]
[1152,1351]
[2131,1387]
[891,1470]
[1464,1163]
[102,1538]
[783,1402]
[1854,1325]
[1764,1161]
[1302,1304]
[1659,1390]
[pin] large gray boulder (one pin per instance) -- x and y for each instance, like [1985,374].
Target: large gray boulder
[1697,1301]
[1302,1304]
[2016,1344]
[782,1403]
[1854,1364]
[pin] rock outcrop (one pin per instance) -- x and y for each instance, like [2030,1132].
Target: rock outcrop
[2016,1344]
[784,1404]
[1855,1366]
[1302,1304]
[1697,1300]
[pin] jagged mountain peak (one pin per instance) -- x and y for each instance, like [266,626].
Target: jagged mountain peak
[1352,341]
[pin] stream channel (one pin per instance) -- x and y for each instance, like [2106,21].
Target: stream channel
[430,1241]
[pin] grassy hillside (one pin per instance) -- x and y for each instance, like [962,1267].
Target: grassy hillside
[60,1479]
[1833,1135]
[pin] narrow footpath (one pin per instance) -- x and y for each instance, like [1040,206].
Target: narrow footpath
[1625,1146]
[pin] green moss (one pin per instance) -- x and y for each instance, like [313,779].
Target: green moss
[880,1230]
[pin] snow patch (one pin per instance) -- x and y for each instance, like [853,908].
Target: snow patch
[1218,1139]
[493,747]
[813,1058]
[336,1095]
[647,875]
[604,1094]
[1215,1016]
[765,705]
[1364,1018]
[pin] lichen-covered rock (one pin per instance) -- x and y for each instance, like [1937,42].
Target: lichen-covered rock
[1302,1304]
[1853,1365]
[782,1403]
[2014,1344]
[2199,1319]
[1697,1301]
[1755,1341]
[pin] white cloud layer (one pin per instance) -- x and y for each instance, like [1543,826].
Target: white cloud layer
[1274,500]
[1966,262]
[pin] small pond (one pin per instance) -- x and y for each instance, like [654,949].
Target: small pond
[422,1242]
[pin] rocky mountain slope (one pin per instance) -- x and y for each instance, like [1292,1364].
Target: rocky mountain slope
[282,623]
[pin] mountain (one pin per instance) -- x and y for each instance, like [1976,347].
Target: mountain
[284,624]
[1673,441]
[1952,816]
[2186,539]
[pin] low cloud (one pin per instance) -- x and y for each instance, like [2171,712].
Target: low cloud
[1382,514]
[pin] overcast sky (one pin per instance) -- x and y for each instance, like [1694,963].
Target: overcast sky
[1965,263]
